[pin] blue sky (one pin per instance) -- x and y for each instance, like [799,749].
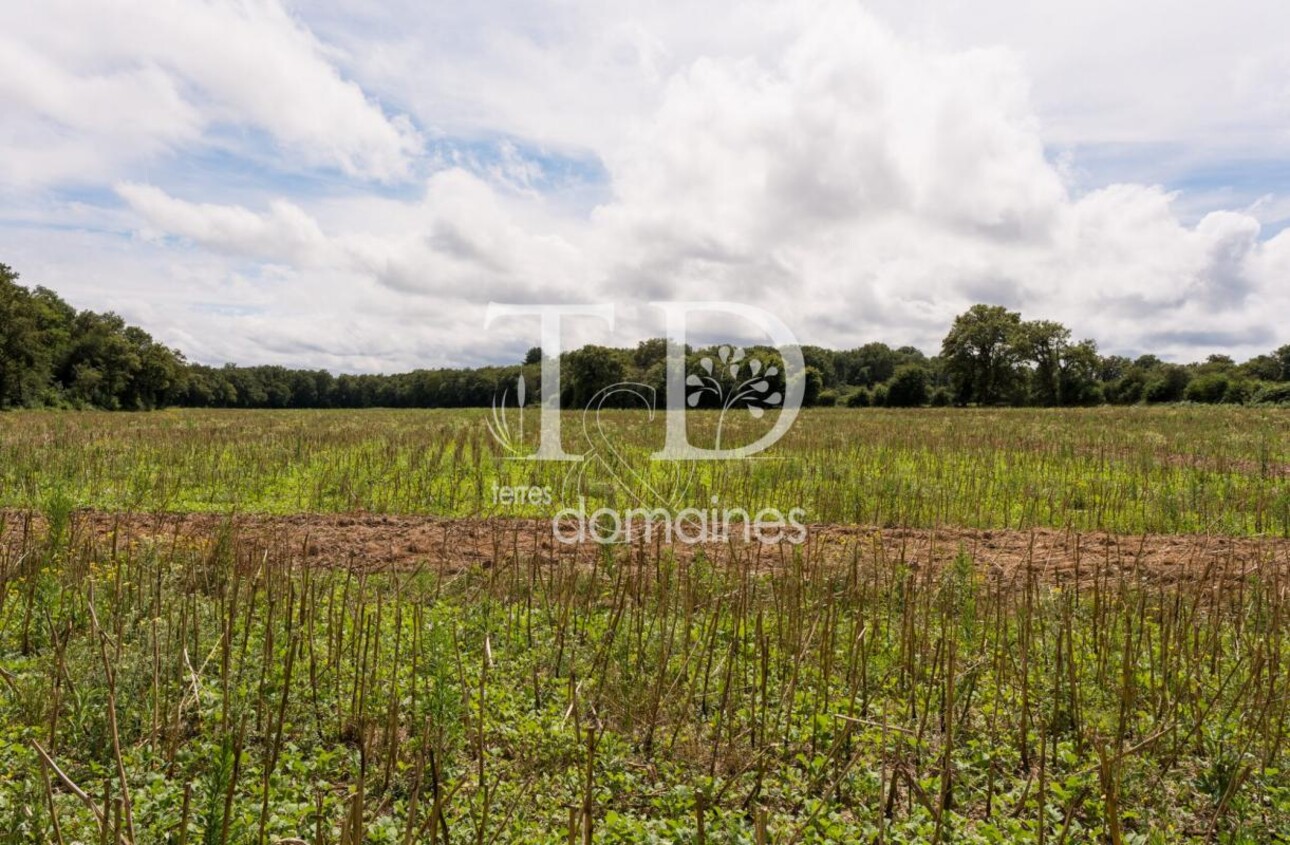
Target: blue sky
[347,185]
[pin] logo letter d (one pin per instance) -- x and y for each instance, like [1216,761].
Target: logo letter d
[677,446]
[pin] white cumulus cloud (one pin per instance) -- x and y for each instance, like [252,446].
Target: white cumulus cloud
[865,175]
[89,85]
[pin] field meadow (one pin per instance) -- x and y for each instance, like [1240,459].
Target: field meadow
[1176,470]
[196,648]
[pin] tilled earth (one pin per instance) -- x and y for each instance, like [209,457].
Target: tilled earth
[383,542]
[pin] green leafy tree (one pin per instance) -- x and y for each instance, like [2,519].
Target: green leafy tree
[1043,343]
[1113,367]
[26,359]
[51,354]
[908,387]
[814,386]
[1078,376]
[1263,367]
[590,370]
[1210,388]
[1283,355]
[824,362]
[1217,364]
[980,354]
[873,363]
[1167,384]
[858,398]
[103,361]
[650,352]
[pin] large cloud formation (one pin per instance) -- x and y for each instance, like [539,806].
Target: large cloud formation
[860,183]
[88,85]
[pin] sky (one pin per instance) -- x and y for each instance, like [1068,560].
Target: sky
[346,184]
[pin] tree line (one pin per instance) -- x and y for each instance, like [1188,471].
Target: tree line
[52,355]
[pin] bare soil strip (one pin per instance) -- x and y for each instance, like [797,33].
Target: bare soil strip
[379,542]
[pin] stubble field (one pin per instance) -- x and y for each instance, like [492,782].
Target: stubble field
[1004,626]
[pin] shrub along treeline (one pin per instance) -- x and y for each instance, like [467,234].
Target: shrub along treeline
[52,355]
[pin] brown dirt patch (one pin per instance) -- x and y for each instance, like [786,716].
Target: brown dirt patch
[376,542]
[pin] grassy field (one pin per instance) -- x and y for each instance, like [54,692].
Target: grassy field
[228,681]
[1125,470]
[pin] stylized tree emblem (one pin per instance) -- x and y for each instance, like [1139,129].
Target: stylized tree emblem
[510,441]
[723,383]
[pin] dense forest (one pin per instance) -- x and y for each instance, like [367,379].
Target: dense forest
[52,355]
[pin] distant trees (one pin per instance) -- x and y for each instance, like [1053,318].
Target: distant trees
[25,344]
[1283,355]
[871,364]
[1264,368]
[814,385]
[53,355]
[592,369]
[908,387]
[1043,343]
[1209,388]
[50,354]
[1080,366]
[981,354]
[650,352]
[994,357]
[1168,382]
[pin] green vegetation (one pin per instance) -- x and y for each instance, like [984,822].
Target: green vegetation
[53,356]
[1129,470]
[226,692]
[230,686]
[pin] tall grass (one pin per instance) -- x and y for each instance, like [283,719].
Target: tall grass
[218,690]
[1134,470]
